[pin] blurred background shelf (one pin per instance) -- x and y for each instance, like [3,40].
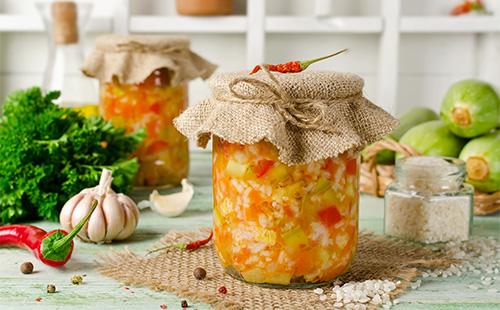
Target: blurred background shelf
[407,51]
[273,24]
[299,24]
[185,24]
[449,24]
[28,23]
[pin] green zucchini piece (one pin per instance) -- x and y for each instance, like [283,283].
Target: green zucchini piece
[433,138]
[408,120]
[471,108]
[411,118]
[482,160]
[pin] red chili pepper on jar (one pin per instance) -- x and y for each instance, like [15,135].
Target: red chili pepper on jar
[294,66]
[53,248]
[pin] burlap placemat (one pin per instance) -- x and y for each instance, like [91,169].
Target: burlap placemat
[377,258]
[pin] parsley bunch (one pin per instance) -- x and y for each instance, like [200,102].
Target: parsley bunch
[49,153]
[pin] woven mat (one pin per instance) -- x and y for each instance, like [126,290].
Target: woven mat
[172,271]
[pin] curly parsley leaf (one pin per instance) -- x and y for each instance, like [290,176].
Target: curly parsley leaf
[48,154]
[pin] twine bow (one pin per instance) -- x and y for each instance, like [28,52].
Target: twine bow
[303,113]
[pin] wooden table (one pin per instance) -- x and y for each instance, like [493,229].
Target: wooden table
[18,291]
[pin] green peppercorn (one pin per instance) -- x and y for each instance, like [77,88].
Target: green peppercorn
[51,288]
[200,273]
[27,268]
[77,280]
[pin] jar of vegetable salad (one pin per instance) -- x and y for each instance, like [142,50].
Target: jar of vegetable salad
[144,87]
[285,171]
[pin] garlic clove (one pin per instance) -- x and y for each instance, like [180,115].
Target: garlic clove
[114,215]
[130,210]
[127,201]
[174,204]
[67,211]
[79,212]
[96,229]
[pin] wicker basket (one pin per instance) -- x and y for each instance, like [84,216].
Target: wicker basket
[375,178]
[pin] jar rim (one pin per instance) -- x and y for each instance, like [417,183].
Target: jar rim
[429,166]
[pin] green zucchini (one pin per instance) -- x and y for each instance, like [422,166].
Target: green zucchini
[433,138]
[407,120]
[471,108]
[412,118]
[482,160]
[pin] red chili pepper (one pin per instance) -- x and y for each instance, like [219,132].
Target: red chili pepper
[187,246]
[196,244]
[467,6]
[294,66]
[53,248]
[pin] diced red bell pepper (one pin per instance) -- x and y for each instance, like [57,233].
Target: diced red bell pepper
[262,167]
[329,216]
[156,147]
[155,108]
[330,166]
[351,166]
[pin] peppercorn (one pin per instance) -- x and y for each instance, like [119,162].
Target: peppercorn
[222,290]
[184,304]
[200,273]
[26,268]
[77,280]
[51,288]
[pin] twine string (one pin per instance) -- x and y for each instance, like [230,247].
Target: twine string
[303,113]
[144,48]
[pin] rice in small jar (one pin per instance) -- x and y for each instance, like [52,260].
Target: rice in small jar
[286,171]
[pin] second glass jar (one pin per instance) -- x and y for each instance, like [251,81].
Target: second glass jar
[279,225]
[151,105]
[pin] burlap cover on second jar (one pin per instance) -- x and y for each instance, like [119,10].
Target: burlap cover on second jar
[285,171]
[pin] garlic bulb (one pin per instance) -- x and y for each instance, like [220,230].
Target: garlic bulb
[115,217]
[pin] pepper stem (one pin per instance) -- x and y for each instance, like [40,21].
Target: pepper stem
[180,246]
[67,239]
[307,63]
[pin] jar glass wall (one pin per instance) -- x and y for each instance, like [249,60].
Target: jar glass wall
[151,105]
[280,225]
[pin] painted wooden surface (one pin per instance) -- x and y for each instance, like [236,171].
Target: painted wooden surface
[18,291]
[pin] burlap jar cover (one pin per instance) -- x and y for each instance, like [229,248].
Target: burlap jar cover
[131,59]
[307,116]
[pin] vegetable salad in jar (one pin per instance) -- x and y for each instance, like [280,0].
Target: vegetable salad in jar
[144,87]
[285,171]
[280,224]
[152,105]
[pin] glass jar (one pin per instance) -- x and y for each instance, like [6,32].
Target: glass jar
[151,105]
[65,23]
[279,225]
[429,201]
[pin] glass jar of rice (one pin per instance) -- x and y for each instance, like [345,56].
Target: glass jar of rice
[429,201]
[285,171]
